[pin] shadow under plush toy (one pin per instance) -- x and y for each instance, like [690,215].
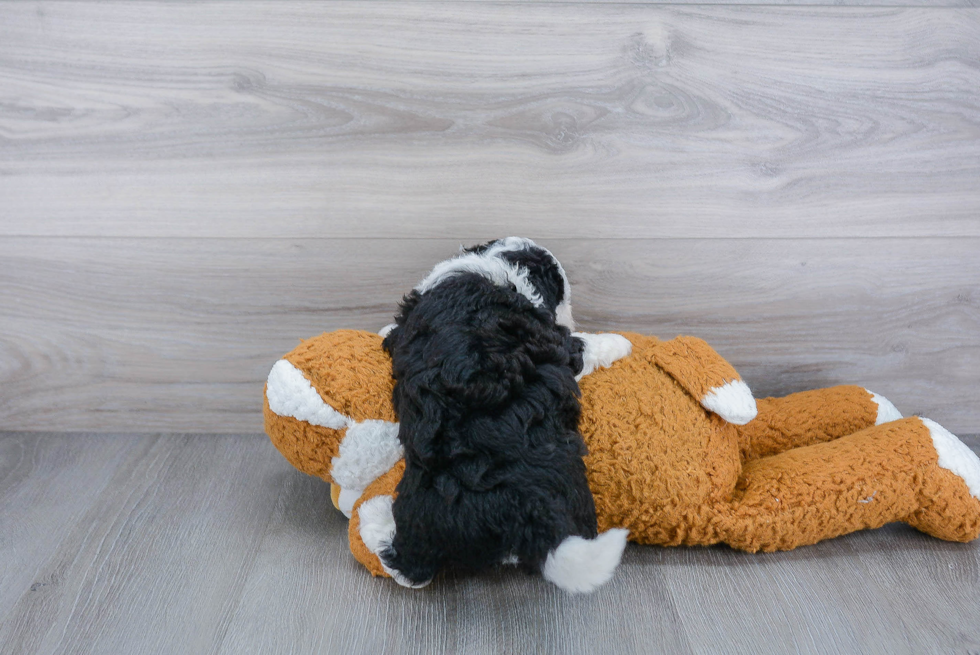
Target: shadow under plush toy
[666,460]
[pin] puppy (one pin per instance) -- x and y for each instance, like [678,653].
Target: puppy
[485,370]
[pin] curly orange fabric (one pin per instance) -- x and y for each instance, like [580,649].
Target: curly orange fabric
[350,371]
[693,364]
[307,447]
[658,486]
[805,418]
[811,466]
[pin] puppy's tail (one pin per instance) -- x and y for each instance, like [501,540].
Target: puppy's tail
[580,565]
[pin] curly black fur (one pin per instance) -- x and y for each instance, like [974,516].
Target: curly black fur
[488,406]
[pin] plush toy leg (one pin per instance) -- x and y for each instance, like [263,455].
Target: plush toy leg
[811,417]
[896,471]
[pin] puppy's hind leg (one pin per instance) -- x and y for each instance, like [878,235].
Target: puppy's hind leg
[580,565]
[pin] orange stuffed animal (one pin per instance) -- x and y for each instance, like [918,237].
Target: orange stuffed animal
[668,459]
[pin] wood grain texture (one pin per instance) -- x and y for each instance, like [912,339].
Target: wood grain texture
[776,3]
[158,556]
[214,544]
[308,119]
[179,334]
[40,504]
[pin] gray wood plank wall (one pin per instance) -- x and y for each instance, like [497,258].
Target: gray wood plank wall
[186,189]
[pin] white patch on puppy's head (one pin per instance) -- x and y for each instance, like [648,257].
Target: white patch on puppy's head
[498,271]
[563,310]
[489,260]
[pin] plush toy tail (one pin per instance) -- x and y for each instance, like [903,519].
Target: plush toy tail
[580,565]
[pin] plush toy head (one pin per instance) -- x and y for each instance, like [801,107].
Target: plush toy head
[331,390]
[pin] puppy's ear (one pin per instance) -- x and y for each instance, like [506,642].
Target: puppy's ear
[479,249]
[576,354]
[421,413]
[393,333]
[390,334]
[543,272]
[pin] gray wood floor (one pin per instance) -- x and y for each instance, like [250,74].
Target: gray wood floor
[142,543]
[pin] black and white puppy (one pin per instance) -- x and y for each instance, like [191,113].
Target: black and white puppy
[485,368]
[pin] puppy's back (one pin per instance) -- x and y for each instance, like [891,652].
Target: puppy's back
[487,400]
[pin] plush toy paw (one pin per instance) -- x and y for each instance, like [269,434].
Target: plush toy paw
[732,401]
[955,456]
[601,350]
[580,565]
[886,411]
[378,531]
[951,505]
